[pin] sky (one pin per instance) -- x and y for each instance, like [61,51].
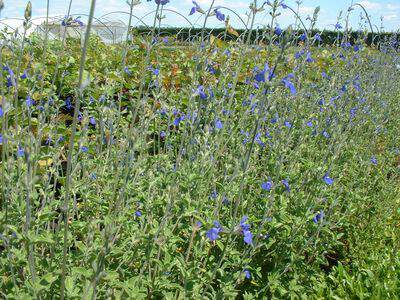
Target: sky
[114,10]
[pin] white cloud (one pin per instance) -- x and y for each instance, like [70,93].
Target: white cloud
[236,4]
[392,6]
[390,17]
[368,5]
[307,10]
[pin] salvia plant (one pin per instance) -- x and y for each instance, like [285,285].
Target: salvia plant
[202,164]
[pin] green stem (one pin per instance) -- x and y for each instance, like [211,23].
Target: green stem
[65,207]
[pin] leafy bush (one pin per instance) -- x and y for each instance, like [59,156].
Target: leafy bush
[206,169]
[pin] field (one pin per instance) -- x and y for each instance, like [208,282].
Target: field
[210,168]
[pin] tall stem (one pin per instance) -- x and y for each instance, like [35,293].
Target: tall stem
[71,148]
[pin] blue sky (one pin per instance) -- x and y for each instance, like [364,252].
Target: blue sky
[388,9]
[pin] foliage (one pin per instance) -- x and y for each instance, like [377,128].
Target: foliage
[206,169]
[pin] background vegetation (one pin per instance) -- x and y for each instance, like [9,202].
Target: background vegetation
[208,168]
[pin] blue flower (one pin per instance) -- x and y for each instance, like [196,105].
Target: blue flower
[288,124]
[20,151]
[29,101]
[317,37]
[284,6]
[213,233]
[8,69]
[211,69]
[353,112]
[200,91]
[225,200]
[192,10]
[246,138]
[138,214]
[92,121]
[258,140]
[226,112]
[93,176]
[163,134]
[68,21]
[127,71]
[68,103]
[318,217]
[326,134]
[1,139]
[218,124]
[195,8]
[220,16]
[1,112]
[10,82]
[243,223]
[286,184]
[65,21]
[338,26]
[84,149]
[10,79]
[278,31]
[309,59]
[24,75]
[227,52]
[346,45]
[289,84]
[266,186]
[79,22]
[260,77]
[374,161]
[303,37]
[247,235]
[298,54]
[177,121]
[327,179]
[198,224]
[247,274]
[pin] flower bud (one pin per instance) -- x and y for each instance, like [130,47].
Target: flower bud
[28,11]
